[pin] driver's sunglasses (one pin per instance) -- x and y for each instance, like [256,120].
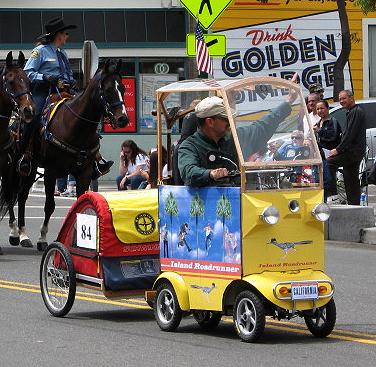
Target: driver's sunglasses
[222,118]
[296,138]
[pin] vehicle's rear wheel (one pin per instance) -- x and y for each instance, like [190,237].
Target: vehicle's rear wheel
[321,322]
[249,316]
[167,311]
[208,320]
[57,279]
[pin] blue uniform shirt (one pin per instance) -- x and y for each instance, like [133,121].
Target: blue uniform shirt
[44,59]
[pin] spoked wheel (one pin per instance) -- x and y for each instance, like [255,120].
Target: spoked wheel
[167,311]
[57,279]
[249,316]
[208,320]
[321,322]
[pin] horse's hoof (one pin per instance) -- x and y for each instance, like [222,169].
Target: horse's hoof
[26,243]
[41,246]
[14,241]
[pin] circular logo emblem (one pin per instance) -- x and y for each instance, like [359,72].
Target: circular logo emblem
[161,68]
[144,223]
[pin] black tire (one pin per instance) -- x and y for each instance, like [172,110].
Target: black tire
[167,311]
[249,316]
[57,279]
[208,320]
[327,314]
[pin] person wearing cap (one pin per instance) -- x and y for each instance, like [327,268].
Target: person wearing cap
[49,71]
[212,136]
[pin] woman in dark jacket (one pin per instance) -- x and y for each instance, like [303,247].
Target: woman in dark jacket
[328,128]
[328,134]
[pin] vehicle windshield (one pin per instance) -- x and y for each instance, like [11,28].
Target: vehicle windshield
[277,144]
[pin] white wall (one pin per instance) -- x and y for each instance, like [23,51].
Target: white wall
[88,4]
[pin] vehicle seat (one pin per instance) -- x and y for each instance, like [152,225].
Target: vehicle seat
[188,128]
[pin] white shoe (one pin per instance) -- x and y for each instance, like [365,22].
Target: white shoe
[333,200]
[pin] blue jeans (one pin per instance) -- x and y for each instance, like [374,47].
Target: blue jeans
[134,182]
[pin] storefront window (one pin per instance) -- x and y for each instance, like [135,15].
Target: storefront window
[155,74]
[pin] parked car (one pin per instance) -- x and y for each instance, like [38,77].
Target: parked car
[369,108]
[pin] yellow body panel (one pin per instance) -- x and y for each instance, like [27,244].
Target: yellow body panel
[260,251]
[134,215]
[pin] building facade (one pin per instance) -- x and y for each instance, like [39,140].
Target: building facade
[279,37]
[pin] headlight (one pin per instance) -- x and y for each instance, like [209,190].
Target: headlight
[321,212]
[294,206]
[270,215]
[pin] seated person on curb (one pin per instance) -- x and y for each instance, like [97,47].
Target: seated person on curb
[132,161]
[212,136]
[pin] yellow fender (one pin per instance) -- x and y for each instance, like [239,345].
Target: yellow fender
[179,286]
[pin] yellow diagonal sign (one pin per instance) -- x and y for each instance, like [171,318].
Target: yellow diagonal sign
[205,11]
[216,44]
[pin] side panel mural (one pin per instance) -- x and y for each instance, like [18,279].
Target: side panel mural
[200,230]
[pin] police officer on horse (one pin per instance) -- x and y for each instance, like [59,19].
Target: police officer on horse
[49,70]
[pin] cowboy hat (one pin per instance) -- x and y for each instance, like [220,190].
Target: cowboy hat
[54,26]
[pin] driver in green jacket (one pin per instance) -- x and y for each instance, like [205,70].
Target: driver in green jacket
[212,136]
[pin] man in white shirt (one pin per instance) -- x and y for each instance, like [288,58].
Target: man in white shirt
[312,100]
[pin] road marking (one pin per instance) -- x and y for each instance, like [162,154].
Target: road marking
[347,335]
[42,207]
[7,217]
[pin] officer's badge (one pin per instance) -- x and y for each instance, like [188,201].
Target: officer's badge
[35,54]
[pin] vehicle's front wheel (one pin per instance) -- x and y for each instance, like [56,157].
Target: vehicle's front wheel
[57,279]
[321,322]
[249,316]
[208,320]
[167,311]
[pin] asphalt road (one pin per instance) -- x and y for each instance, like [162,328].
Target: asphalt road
[100,332]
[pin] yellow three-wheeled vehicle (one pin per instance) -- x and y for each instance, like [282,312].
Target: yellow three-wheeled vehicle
[253,245]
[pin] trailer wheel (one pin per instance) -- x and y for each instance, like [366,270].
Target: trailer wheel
[208,320]
[321,322]
[167,311]
[249,316]
[57,279]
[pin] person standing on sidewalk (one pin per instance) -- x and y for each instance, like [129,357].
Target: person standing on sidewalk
[350,151]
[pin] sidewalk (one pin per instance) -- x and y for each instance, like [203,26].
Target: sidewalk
[106,186]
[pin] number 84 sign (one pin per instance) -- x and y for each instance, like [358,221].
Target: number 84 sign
[87,231]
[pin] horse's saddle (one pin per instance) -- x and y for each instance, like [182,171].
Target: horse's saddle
[55,102]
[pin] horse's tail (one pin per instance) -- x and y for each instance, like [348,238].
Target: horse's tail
[10,183]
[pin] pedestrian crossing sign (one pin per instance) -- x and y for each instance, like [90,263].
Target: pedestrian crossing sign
[206,11]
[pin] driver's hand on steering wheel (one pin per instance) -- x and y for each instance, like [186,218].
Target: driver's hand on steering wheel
[218,173]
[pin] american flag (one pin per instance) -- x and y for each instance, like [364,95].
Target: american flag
[204,61]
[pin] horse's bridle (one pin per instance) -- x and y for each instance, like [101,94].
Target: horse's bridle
[13,96]
[107,106]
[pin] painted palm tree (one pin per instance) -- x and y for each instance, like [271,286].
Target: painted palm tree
[172,210]
[197,210]
[224,211]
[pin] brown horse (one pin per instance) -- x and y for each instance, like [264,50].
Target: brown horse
[69,144]
[15,99]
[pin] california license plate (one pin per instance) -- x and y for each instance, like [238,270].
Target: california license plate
[304,290]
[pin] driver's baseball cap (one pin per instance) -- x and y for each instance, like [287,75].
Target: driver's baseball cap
[212,106]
